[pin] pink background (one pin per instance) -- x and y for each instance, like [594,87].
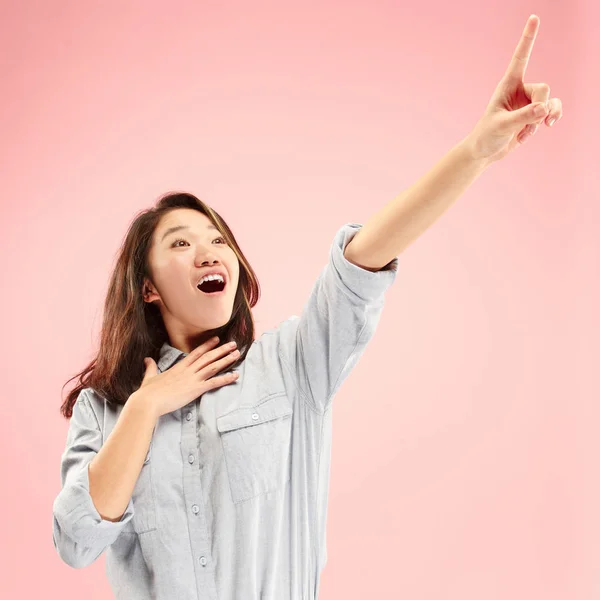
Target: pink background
[465,441]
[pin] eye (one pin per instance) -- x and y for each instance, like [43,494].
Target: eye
[183,240]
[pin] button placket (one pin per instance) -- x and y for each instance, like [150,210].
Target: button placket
[193,493]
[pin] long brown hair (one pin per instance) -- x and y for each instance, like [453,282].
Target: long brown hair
[133,329]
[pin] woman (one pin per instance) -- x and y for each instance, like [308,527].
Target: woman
[210,479]
[205,474]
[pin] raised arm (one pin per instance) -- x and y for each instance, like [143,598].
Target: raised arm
[512,116]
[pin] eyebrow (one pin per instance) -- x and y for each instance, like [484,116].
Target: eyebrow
[178,227]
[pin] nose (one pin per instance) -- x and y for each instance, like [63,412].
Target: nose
[206,258]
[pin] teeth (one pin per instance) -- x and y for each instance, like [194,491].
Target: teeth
[212,277]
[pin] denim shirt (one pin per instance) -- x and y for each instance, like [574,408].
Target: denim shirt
[231,501]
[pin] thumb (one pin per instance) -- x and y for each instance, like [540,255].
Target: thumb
[151,368]
[527,115]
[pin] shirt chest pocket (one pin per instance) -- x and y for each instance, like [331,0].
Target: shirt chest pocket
[144,497]
[256,447]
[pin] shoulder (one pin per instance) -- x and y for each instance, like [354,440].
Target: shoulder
[96,405]
[275,342]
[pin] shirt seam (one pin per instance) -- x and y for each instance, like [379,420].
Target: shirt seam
[328,398]
[307,402]
[298,389]
[85,400]
[316,541]
[358,338]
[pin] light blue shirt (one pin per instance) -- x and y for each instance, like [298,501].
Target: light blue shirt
[231,501]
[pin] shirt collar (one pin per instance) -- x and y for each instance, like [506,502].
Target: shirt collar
[169,356]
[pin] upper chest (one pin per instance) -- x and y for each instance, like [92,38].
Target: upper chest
[262,392]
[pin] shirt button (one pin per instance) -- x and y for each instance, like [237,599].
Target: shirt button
[203,561]
[188,416]
[255,416]
[191,458]
[195,508]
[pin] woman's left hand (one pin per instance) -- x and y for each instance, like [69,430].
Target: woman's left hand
[510,118]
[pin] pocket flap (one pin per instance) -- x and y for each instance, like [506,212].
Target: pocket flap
[246,416]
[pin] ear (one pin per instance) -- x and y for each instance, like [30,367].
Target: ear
[148,292]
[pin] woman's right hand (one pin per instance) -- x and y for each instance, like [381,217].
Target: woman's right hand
[187,379]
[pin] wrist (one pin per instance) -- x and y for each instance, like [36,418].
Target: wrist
[468,148]
[140,402]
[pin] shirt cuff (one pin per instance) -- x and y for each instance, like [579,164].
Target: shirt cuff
[368,285]
[79,518]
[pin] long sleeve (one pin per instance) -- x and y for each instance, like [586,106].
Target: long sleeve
[324,343]
[80,534]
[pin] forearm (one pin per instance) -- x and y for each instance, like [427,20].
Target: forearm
[114,471]
[389,231]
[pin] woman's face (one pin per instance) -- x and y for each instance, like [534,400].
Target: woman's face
[178,259]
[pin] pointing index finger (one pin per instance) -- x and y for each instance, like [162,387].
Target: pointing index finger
[520,58]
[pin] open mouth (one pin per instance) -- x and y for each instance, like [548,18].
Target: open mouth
[212,288]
